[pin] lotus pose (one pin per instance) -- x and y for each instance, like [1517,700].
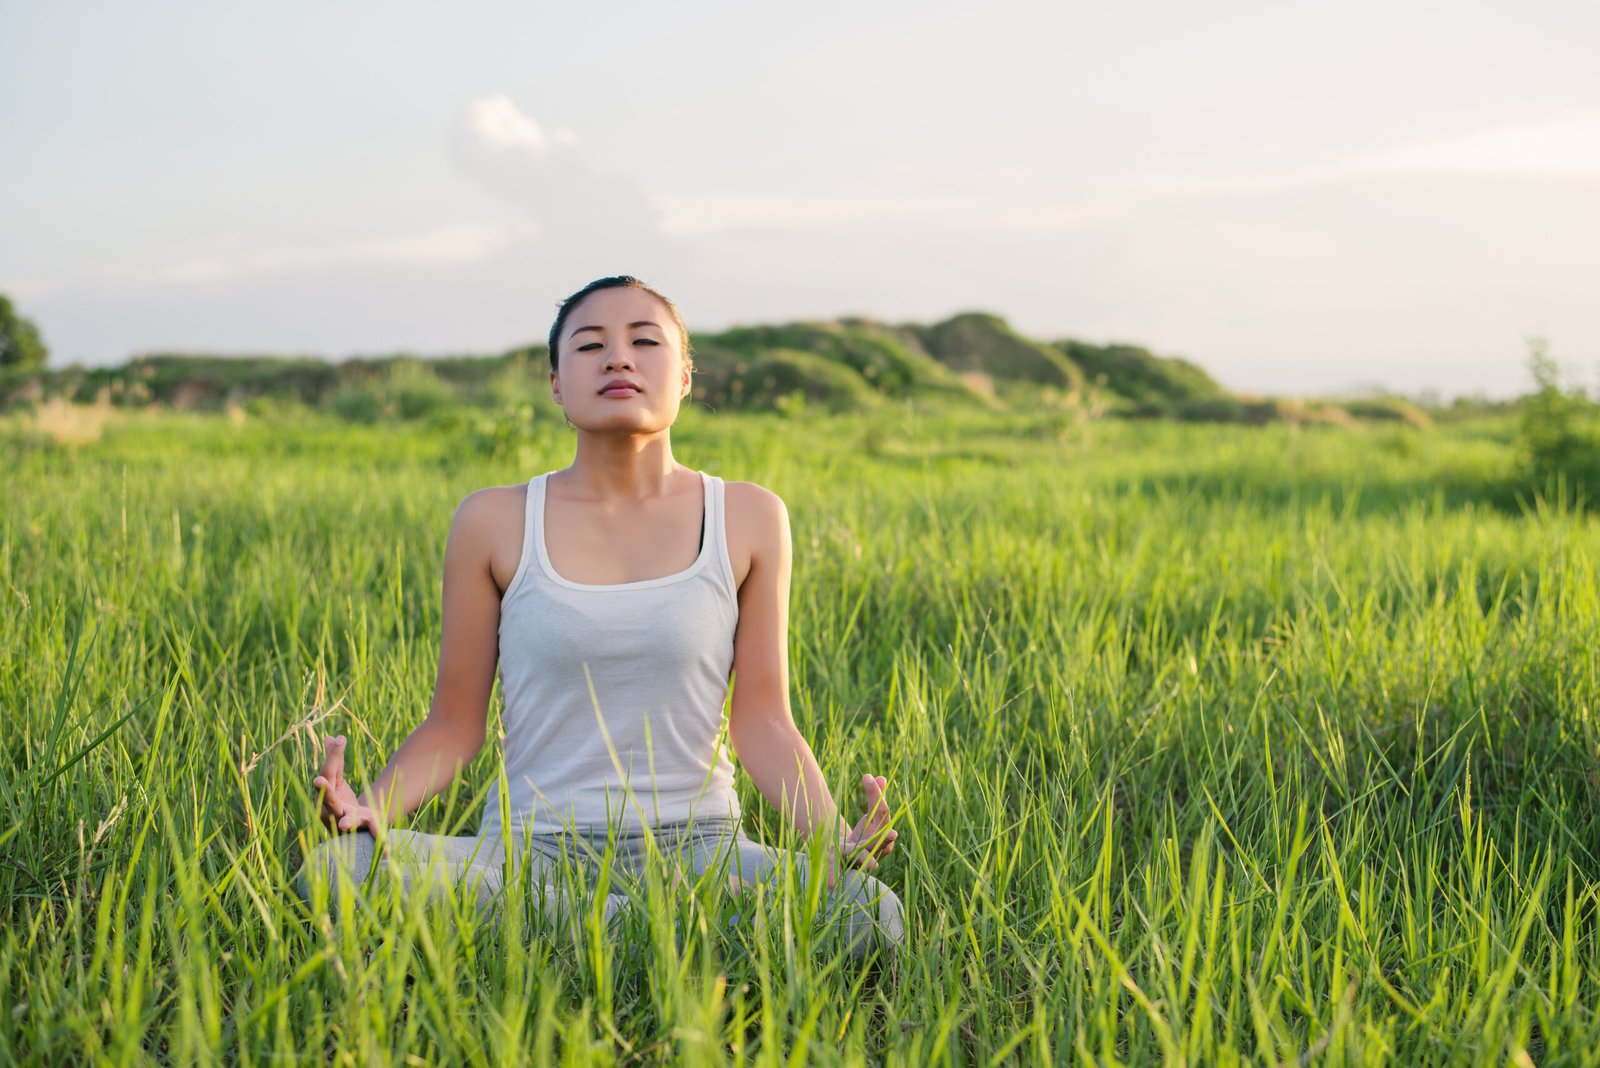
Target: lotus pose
[619,597]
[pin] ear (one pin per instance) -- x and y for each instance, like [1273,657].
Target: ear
[555,388]
[688,373]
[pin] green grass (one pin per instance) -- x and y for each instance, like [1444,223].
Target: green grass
[1212,744]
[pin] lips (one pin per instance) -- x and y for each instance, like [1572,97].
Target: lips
[620,387]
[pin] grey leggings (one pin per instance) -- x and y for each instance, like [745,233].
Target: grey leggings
[858,908]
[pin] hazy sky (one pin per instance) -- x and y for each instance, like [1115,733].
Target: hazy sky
[1299,196]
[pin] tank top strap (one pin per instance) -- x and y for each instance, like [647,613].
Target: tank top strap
[717,530]
[532,524]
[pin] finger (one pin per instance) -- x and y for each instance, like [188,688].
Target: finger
[877,787]
[327,758]
[878,820]
[333,758]
[883,840]
[874,821]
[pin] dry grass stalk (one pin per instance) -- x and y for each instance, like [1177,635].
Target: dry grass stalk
[319,712]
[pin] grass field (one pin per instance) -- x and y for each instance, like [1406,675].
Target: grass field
[1211,745]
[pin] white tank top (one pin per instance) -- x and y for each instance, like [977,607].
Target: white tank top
[642,747]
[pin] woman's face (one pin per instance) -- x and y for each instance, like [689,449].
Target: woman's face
[620,363]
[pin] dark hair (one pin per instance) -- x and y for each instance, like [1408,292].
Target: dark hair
[616,281]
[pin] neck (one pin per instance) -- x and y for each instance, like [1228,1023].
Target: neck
[621,465]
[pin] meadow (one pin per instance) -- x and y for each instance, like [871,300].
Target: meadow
[1209,745]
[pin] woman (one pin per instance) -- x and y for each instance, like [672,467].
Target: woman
[618,595]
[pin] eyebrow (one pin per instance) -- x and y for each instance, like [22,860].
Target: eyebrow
[641,322]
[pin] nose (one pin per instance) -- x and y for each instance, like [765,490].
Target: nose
[616,359]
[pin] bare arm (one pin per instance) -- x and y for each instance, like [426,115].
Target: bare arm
[452,734]
[760,722]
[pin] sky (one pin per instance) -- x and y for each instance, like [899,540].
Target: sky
[1300,197]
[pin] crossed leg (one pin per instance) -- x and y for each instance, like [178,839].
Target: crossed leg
[443,864]
[858,908]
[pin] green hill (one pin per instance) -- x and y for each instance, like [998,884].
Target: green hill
[846,364]
[977,343]
[1148,381]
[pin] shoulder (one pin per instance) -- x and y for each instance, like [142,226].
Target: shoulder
[491,501]
[758,530]
[486,510]
[755,507]
[486,533]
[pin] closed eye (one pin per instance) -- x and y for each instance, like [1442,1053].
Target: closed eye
[590,345]
[645,341]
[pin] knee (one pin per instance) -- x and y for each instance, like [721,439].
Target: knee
[344,858]
[873,916]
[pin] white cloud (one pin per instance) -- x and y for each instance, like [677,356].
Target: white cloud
[506,152]
[703,215]
[1563,144]
[700,215]
[441,245]
[497,125]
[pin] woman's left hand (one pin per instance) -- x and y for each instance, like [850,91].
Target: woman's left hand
[872,837]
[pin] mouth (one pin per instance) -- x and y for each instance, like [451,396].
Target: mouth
[619,388]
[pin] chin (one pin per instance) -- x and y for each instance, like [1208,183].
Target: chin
[625,422]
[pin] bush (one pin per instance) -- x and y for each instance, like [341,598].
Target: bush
[356,403]
[975,341]
[509,431]
[1153,383]
[785,380]
[868,350]
[1224,409]
[405,390]
[1559,432]
[1387,410]
[1259,411]
[21,347]
[417,392]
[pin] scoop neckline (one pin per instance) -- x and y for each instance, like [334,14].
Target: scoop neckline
[549,568]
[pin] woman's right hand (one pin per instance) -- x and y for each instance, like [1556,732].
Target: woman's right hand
[342,810]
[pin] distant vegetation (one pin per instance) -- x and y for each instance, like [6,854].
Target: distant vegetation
[972,360]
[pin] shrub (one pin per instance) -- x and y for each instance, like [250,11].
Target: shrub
[417,392]
[975,341]
[356,403]
[403,390]
[509,431]
[1387,410]
[1154,383]
[786,379]
[777,380]
[1259,411]
[1559,431]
